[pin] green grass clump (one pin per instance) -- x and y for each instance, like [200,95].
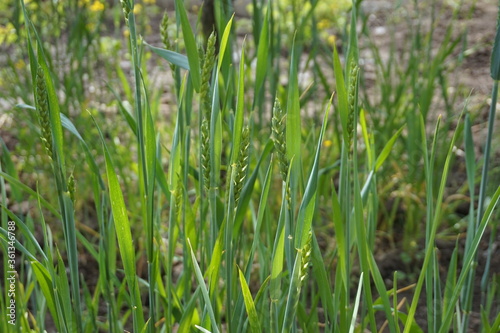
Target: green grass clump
[226,207]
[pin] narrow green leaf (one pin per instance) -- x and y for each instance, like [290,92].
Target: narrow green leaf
[253,318]
[338,224]
[213,270]
[238,117]
[124,236]
[356,304]
[495,327]
[451,280]
[45,282]
[191,48]
[20,247]
[469,258]
[171,56]
[368,143]
[293,295]
[204,330]
[128,117]
[485,321]
[66,123]
[293,127]
[224,41]
[387,149]
[432,234]
[27,189]
[307,207]
[343,106]
[63,293]
[413,326]
[25,231]
[204,291]
[262,53]
[321,277]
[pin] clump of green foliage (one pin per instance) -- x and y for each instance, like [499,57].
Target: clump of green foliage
[211,213]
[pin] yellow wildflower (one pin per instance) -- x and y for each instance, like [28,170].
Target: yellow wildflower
[327,143]
[126,33]
[7,34]
[97,6]
[149,2]
[3,33]
[137,8]
[20,64]
[323,24]
[332,39]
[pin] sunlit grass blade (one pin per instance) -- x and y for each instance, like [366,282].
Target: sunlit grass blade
[253,317]
[356,304]
[204,291]
[124,236]
[387,150]
[224,42]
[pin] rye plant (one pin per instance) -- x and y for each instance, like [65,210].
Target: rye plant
[240,213]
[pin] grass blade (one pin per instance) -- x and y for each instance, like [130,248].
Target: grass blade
[204,291]
[253,318]
[191,48]
[171,56]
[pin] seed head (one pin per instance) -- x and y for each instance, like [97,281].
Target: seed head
[279,137]
[306,258]
[206,73]
[164,32]
[351,98]
[205,153]
[241,165]
[126,9]
[43,110]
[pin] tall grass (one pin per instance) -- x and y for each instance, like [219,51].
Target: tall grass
[240,213]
